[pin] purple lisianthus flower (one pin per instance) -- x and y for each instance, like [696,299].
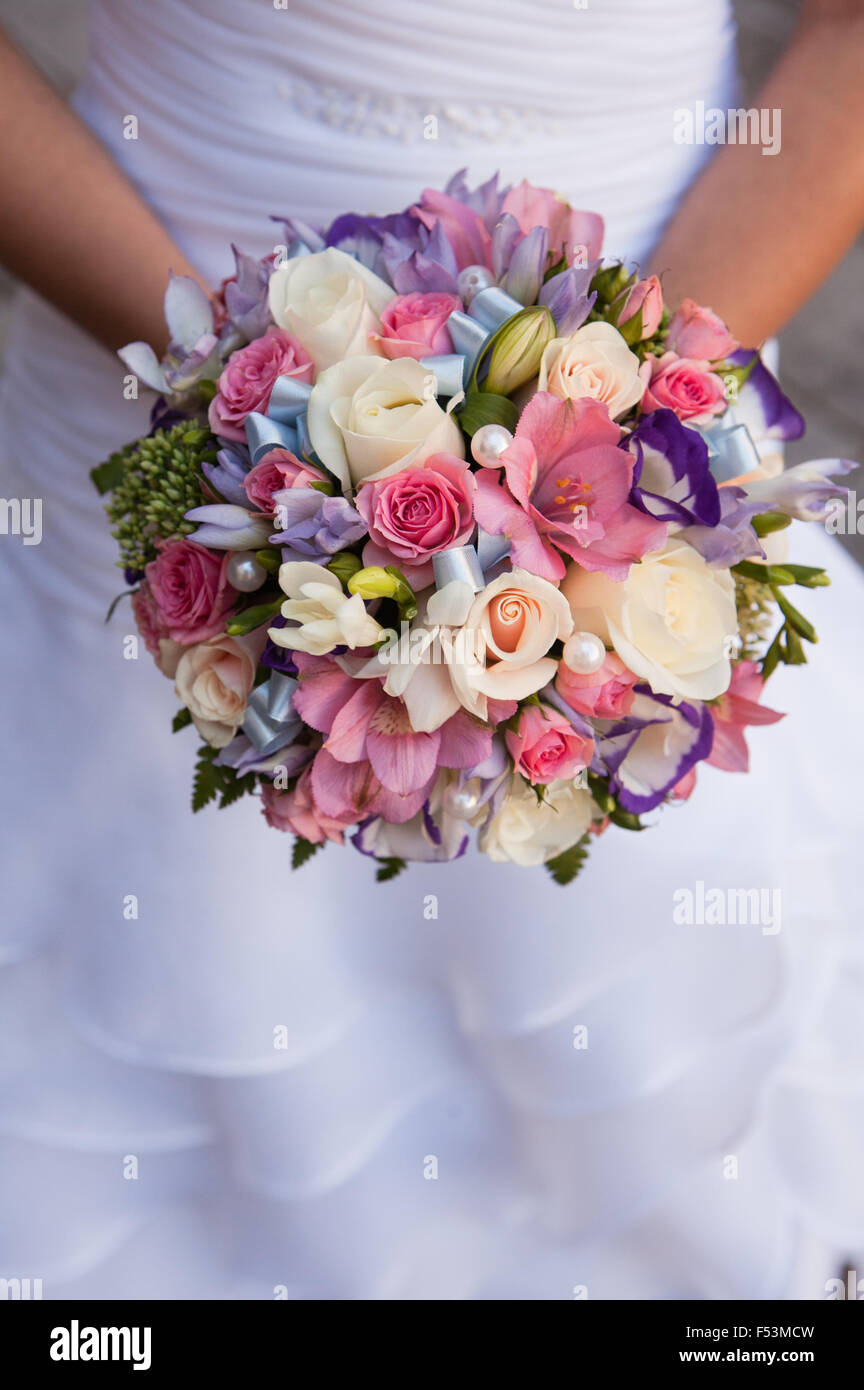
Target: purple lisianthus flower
[672,478]
[364,237]
[315,526]
[278,658]
[647,753]
[761,405]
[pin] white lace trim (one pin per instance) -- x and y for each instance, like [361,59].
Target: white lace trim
[407,121]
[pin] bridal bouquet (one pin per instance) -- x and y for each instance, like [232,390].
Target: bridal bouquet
[444,524]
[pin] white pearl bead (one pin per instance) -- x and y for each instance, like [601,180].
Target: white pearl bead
[461,802]
[488,444]
[244,572]
[471,281]
[584,653]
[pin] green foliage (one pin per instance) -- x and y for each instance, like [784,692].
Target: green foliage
[303,851]
[181,720]
[253,617]
[389,868]
[485,408]
[565,867]
[153,483]
[211,781]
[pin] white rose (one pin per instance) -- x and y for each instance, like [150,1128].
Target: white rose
[594,361]
[327,616]
[673,620]
[369,417]
[528,832]
[331,303]
[213,680]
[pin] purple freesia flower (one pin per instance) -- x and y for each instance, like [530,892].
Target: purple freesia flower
[761,405]
[804,491]
[425,263]
[672,478]
[647,753]
[314,526]
[364,237]
[246,297]
[227,473]
[733,538]
[567,297]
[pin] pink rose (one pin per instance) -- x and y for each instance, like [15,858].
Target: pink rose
[697,332]
[278,470]
[415,325]
[249,376]
[296,812]
[545,747]
[647,296]
[684,385]
[569,229]
[417,513]
[605,694]
[165,652]
[190,587]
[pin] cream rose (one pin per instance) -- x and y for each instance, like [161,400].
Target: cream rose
[328,618]
[331,303]
[673,620]
[214,680]
[369,417]
[594,361]
[528,832]
[510,627]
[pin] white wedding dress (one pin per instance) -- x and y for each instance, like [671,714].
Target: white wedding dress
[430,1127]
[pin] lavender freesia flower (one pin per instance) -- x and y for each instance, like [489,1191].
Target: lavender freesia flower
[672,478]
[314,526]
[227,473]
[246,297]
[225,527]
[193,351]
[805,491]
[567,297]
[733,538]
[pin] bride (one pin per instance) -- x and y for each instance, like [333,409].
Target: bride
[224,1080]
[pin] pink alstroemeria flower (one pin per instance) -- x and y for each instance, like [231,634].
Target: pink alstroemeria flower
[566,488]
[733,712]
[364,725]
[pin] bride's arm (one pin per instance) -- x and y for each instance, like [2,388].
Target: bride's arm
[758,233]
[73,227]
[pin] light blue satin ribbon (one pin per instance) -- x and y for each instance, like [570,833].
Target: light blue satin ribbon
[469,334]
[284,425]
[731,451]
[270,721]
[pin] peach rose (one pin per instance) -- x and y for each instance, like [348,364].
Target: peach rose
[594,361]
[214,680]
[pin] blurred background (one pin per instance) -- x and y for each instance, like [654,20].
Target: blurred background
[821,348]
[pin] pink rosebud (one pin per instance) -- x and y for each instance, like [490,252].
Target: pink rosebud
[190,589]
[295,811]
[684,385]
[698,332]
[417,513]
[415,325]
[164,650]
[279,469]
[545,747]
[647,296]
[604,694]
[249,376]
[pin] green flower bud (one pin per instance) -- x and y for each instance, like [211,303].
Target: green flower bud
[372,582]
[516,353]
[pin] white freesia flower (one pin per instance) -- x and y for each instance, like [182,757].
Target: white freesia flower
[327,616]
[331,303]
[369,417]
[594,361]
[528,832]
[672,620]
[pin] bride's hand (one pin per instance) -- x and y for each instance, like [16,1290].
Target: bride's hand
[74,228]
